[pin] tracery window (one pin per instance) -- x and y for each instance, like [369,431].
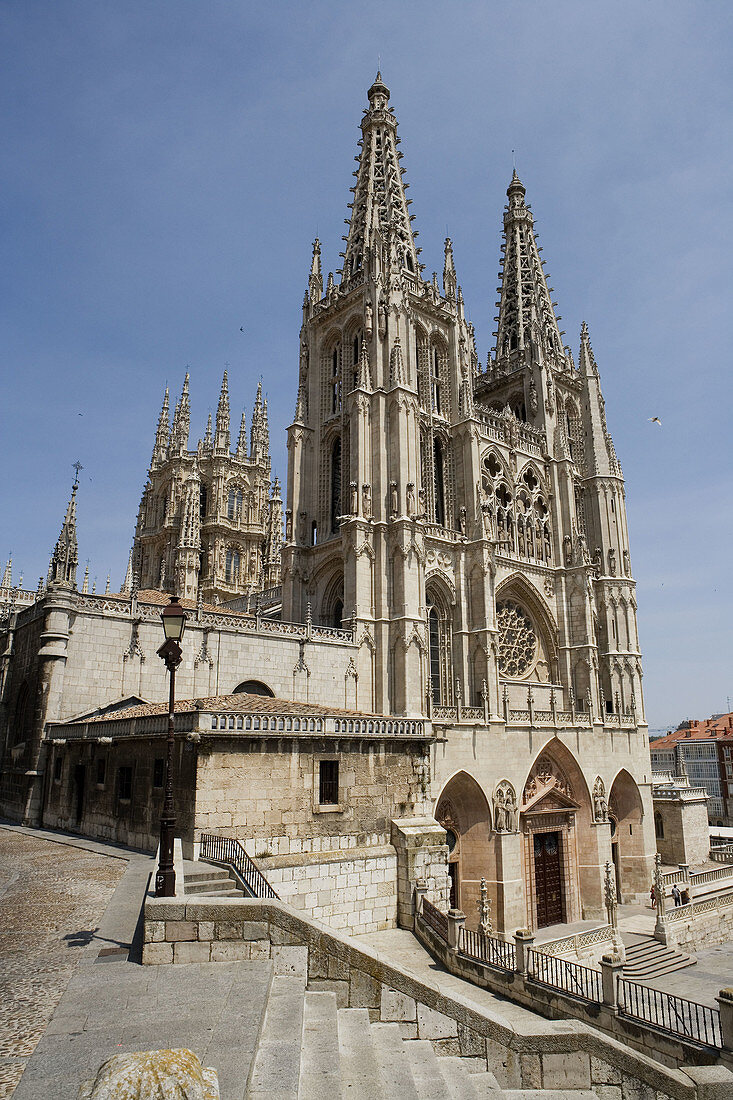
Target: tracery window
[234,504]
[523,521]
[440,640]
[439,482]
[336,380]
[517,650]
[203,501]
[335,486]
[435,383]
[231,567]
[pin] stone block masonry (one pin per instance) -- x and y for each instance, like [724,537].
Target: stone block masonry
[529,1052]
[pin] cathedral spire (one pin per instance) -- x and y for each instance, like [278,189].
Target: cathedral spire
[85,584]
[449,272]
[181,420]
[207,437]
[7,581]
[600,451]
[527,320]
[379,195]
[127,583]
[260,435]
[242,441]
[65,557]
[273,538]
[315,279]
[222,442]
[162,435]
[365,372]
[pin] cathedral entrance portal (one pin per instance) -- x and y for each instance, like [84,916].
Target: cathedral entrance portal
[548,879]
[463,811]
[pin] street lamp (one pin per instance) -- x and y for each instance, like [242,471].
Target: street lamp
[174,623]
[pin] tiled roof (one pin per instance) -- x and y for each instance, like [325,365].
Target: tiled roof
[241,703]
[711,728]
[160,599]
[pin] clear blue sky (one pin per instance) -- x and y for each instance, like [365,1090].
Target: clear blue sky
[166,165]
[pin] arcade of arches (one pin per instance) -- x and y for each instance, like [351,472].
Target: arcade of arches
[543,855]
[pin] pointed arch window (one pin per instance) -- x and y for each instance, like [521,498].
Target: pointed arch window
[231,569]
[336,380]
[439,479]
[203,501]
[335,486]
[234,504]
[435,383]
[440,640]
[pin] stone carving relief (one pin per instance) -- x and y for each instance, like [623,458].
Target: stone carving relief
[546,776]
[505,808]
[600,806]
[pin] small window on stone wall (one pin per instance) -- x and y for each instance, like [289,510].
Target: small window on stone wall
[158,771]
[328,782]
[658,826]
[58,767]
[124,783]
[101,770]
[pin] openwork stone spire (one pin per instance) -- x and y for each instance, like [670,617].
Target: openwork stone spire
[315,279]
[242,441]
[181,421]
[526,312]
[7,581]
[162,435]
[379,195]
[65,557]
[222,442]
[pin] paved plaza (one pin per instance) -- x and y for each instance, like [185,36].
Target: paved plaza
[52,897]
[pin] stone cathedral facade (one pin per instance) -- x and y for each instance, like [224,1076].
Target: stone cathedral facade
[456,593]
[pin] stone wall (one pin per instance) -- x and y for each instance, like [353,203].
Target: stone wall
[354,890]
[562,1055]
[702,928]
[682,828]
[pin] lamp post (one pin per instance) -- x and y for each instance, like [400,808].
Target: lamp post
[174,623]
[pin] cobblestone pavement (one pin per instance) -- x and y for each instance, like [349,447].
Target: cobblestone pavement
[51,900]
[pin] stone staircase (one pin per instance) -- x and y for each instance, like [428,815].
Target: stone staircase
[647,958]
[309,1049]
[211,881]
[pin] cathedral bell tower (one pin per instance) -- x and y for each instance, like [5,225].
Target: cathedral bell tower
[386,365]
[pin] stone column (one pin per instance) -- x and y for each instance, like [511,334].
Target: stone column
[523,940]
[456,921]
[725,1004]
[611,967]
[422,856]
[510,908]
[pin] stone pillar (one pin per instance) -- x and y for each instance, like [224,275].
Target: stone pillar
[725,1004]
[456,921]
[523,940]
[510,908]
[611,967]
[422,856]
[421,889]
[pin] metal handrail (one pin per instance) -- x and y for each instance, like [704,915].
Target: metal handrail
[488,950]
[224,849]
[434,919]
[570,977]
[669,1013]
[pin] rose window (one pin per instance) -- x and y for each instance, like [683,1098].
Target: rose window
[517,640]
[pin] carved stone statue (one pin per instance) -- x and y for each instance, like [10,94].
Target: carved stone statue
[382,325]
[612,562]
[600,806]
[499,811]
[462,520]
[302,527]
[567,550]
[421,503]
[627,564]
[598,559]
[288,524]
[368,320]
[410,498]
[354,498]
[394,503]
[366,500]
[505,808]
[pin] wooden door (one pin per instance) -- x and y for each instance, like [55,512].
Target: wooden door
[548,879]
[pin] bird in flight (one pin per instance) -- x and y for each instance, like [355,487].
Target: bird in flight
[241,329]
[655,420]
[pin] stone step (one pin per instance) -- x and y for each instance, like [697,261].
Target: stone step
[394,1065]
[221,888]
[459,1082]
[209,873]
[276,1068]
[549,1094]
[426,1074]
[320,1070]
[658,968]
[360,1077]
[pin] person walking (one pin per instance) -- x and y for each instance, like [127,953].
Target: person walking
[653,897]
[676,894]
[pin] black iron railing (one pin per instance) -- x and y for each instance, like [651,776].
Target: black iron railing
[435,919]
[223,849]
[669,1013]
[570,977]
[487,949]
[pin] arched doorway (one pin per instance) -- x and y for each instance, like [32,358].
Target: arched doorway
[559,846]
[625,813]
[463,811]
